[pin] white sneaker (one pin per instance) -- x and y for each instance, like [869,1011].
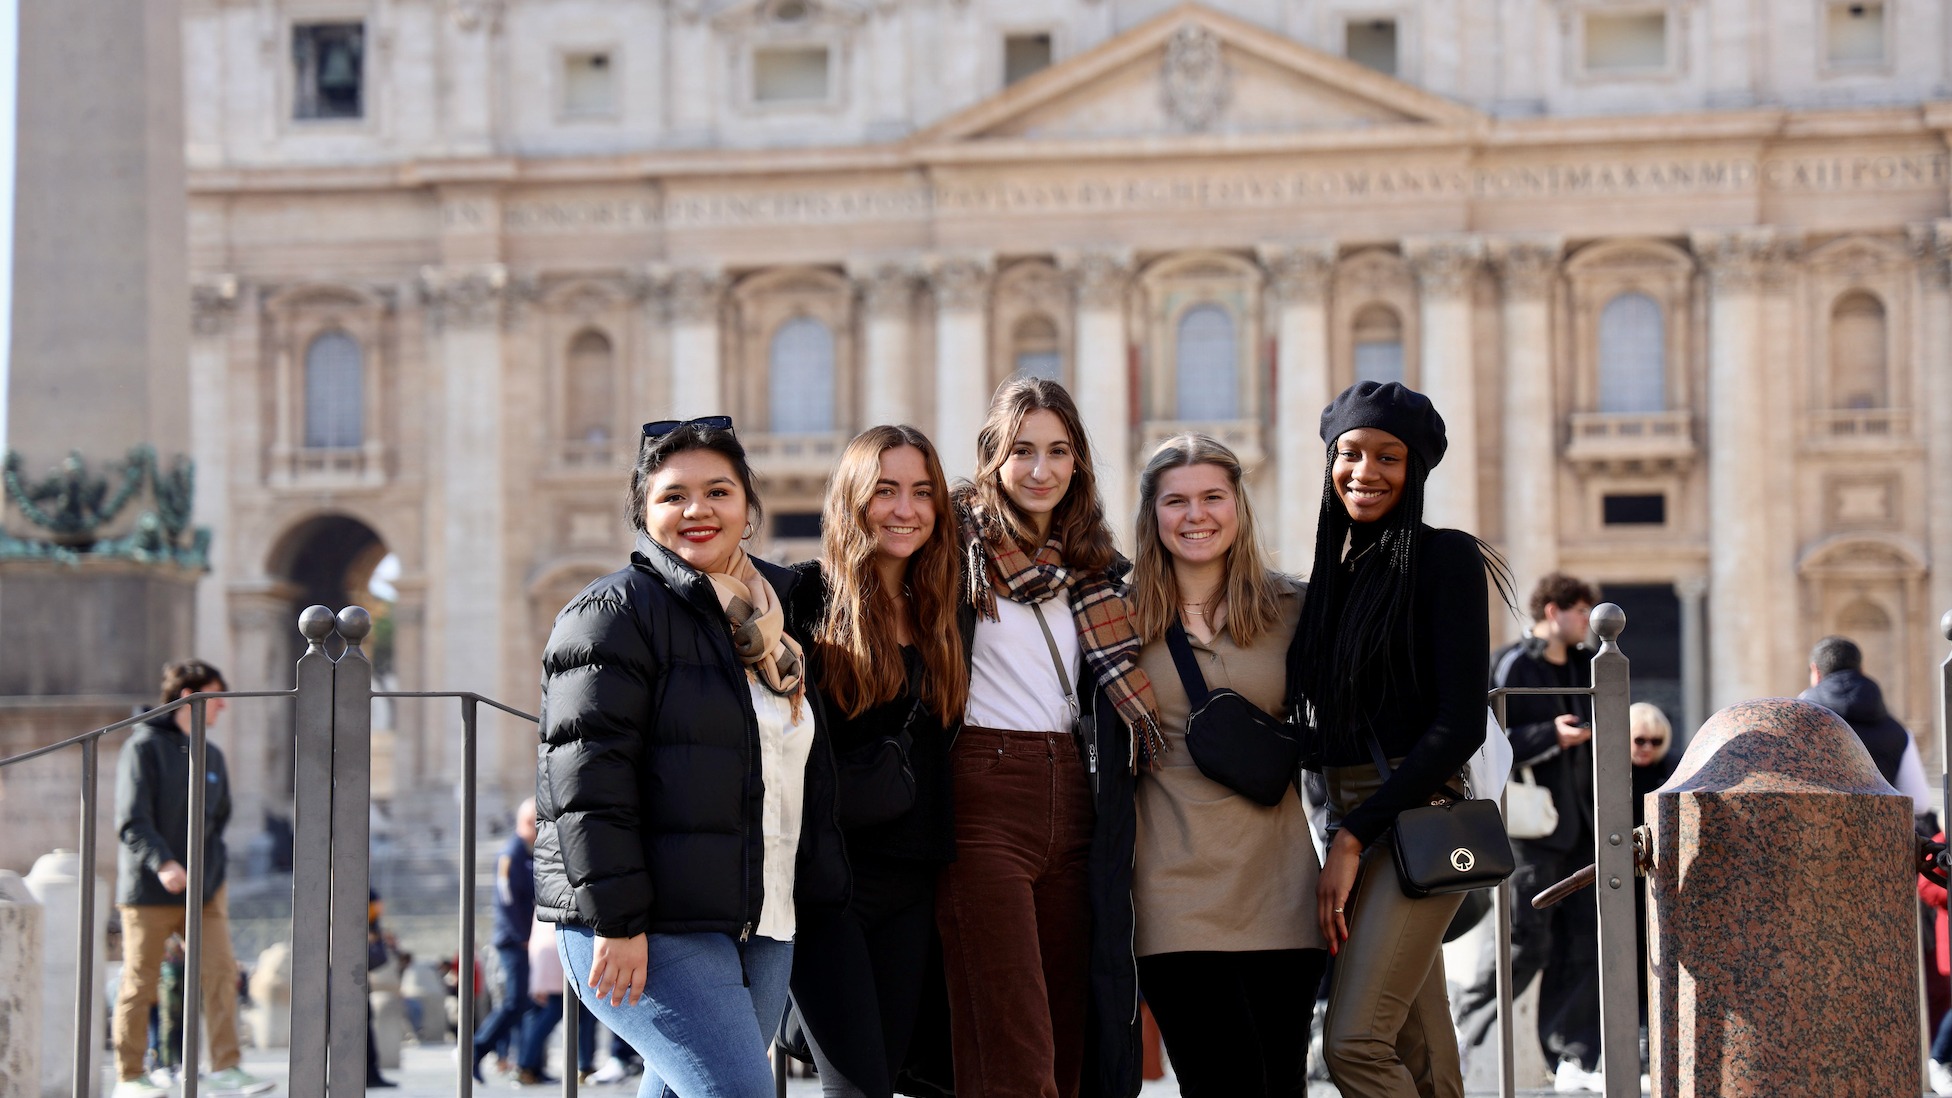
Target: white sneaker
[1573,1079]
[1939,1073]
[236,1081]
[610,1073]
[142,1086]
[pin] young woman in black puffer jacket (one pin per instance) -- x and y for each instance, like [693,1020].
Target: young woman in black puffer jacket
[684,789]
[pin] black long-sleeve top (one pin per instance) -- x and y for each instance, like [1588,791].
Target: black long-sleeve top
[1432,717]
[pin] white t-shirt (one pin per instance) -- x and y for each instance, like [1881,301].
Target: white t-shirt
[1012,683]
[784,745]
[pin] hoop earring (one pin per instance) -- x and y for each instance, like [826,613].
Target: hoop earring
[747,536]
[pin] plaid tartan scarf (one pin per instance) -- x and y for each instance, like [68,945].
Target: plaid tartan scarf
[1102,615]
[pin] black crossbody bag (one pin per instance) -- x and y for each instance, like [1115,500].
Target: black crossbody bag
[1452,844]
[1232,740]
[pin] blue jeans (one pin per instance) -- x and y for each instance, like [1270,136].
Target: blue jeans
[513,1006]
[541,1023]
[709,1010]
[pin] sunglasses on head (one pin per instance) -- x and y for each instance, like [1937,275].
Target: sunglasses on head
[1642,741]
[665,426]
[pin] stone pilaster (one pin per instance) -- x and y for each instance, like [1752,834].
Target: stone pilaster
[1446,267]
[1104,384]
[1743,549]
[469,593]
[1301,275]
[1933,245]
[693,298]
[1528,268]
[213,312]
[961,284]
[888,296]
[1693,594]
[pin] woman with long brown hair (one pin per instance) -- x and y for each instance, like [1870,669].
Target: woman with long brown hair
[1049,632]
[877,604]
[1228,955]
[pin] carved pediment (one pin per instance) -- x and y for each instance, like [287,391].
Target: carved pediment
[1196,71]
[746,16]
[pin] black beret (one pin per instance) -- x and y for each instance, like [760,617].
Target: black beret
[1388,406]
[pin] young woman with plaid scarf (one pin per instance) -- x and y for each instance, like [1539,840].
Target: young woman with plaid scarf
[1050,634]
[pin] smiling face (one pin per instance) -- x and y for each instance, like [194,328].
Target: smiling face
[696,509]
[1038,471]
[1197,513]
[901,513]
[1371,467]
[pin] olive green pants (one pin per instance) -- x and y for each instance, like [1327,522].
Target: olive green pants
[1388,1032]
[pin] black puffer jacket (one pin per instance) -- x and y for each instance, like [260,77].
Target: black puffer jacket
[648,787]
[1856,698]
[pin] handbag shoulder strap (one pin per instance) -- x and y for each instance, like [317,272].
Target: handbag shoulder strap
[1057,661]
[1376,754]
[1190,677]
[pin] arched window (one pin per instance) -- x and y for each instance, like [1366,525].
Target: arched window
[1378,344]
[1859,343]
[335,393]
[1035,350]
[1633,355]
[1207,364]
[801,378]
[590,398]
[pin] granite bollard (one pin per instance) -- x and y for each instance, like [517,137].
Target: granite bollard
[21,941]
[1784,916]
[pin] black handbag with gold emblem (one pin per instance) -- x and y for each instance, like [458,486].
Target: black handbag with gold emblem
[1452,844]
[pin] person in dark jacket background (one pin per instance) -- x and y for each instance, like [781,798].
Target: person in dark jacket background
[1551,734]
[152,822]
[684,787]
[895,682]
[1839,684]
[514,912]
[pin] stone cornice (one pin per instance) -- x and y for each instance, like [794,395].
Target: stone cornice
[1744,259]
[1445,265]
[961,281]
[1098,277]
[1300,272]
[1528,265]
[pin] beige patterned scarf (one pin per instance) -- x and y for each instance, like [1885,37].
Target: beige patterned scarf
[758,621]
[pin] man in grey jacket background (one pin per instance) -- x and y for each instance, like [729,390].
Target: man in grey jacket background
[152,822]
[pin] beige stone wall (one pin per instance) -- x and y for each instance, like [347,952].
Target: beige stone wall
[1497,244]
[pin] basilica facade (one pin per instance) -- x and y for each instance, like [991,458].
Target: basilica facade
[1676,277]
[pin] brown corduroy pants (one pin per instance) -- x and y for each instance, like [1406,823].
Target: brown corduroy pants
[1014,911]
[145,934]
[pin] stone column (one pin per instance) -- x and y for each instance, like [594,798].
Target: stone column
[1104,379]
[420,757]
[1693,593]
[697,378]
[1742,617]
[1301,274]
[263,620]
[1445,267]
[888,292]
[469,596]
[472,90]
[1934,247]
[1529,268]
[23,942]
[56,883]
[213,307]
[962,389]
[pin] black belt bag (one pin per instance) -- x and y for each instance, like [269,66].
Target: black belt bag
[1232,740]
[1452,844]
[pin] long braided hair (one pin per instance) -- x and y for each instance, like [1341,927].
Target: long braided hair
[1375,625]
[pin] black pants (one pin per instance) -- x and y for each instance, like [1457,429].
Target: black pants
[1235,1024]
[1562,942]
[858,976]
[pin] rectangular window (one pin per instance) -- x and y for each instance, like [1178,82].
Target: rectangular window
[790,74]
[1024,54]
[589,85]
[1372,44]
[328,70]
[1636,510]
[1626,42]
[1855,35]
